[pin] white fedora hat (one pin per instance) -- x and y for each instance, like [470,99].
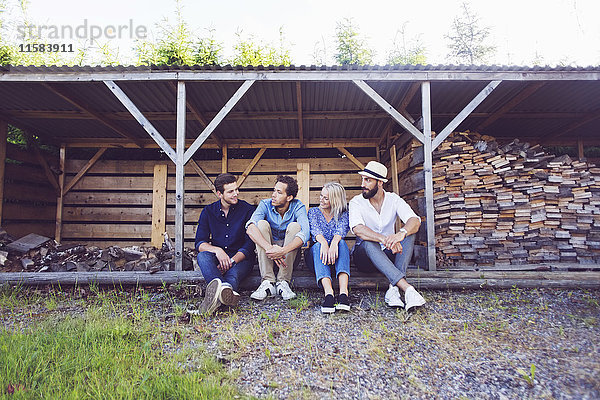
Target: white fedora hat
[375,170]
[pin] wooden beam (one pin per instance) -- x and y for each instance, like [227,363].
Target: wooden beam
[428,171]
[3,145]
[224,157]
[354,160]
[204,177]
[580,149]
[179,177]
[159,205]
[389,109]
[303,178]
[248,169]
[11,115]
[231,144]
[141,119]
[217,120]
[299,102]
[512,103]
[572,126]
[485,92]
[60,92]
[83,170]
[60,198]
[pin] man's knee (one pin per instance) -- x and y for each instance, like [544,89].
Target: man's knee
[265,228]
[292,228]
[206,258]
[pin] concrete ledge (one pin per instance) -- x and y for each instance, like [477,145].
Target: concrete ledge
[303,279]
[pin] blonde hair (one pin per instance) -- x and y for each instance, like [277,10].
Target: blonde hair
[337,198]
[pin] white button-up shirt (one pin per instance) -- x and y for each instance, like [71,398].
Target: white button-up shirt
[363,212]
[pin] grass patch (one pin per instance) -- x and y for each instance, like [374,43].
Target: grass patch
[102,356]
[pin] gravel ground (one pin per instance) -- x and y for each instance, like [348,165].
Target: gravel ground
[462,344]
[468,344]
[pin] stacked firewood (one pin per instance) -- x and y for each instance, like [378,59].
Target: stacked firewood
[510,204]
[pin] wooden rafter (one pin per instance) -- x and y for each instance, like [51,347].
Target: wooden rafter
[250,166]
[299,102]
[59,91]
[512,103]
[42,160]
[351,158]
[83,170]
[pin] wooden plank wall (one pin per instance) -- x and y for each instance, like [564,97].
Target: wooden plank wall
[29,199]
[112,204]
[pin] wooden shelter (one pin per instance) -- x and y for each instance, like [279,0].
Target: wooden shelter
[333,119]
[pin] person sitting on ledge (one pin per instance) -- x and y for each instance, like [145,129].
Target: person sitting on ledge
[279,227]
[372,217]
[225,253]
[328,228]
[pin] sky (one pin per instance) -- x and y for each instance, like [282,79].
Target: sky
[551,31]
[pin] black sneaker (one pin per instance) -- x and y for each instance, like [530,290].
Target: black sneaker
[328,306]
[343,303]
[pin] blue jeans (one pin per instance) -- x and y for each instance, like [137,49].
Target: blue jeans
[342,264]
[369,257]
[208,262]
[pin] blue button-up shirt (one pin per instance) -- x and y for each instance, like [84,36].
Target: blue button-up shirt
[295,213]
[226,232]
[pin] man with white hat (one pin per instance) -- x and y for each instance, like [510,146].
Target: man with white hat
[378,247]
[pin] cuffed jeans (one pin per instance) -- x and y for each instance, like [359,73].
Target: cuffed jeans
[208,263]
[369,257]
[342,264]
[265,264]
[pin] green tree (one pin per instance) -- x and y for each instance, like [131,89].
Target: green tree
[351,47]
[208,50]
[249,51]
[468,39]
[402,52]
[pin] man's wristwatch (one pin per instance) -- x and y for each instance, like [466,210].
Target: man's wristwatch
[403,230]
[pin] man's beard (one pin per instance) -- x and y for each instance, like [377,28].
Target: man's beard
[370,193]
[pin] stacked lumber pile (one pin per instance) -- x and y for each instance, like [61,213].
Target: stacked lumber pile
[510,204]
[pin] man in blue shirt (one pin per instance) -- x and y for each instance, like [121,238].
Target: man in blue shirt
[225,253]
[279,227]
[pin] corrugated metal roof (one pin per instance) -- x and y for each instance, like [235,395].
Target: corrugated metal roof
[332,109]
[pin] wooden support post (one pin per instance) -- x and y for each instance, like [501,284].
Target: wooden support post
[3,136]
[428,169]
[394,165]
[59,199]
[394,170]
[159,204]
[248,169]
[580,148]
[303,178]
[179,176]
[224,158]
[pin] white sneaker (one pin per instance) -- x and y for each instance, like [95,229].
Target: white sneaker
[413,298]
[265,289]
[211,297]
[283,289]
[228,296]
[392,297]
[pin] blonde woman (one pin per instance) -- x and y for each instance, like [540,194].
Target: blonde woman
[328,227]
